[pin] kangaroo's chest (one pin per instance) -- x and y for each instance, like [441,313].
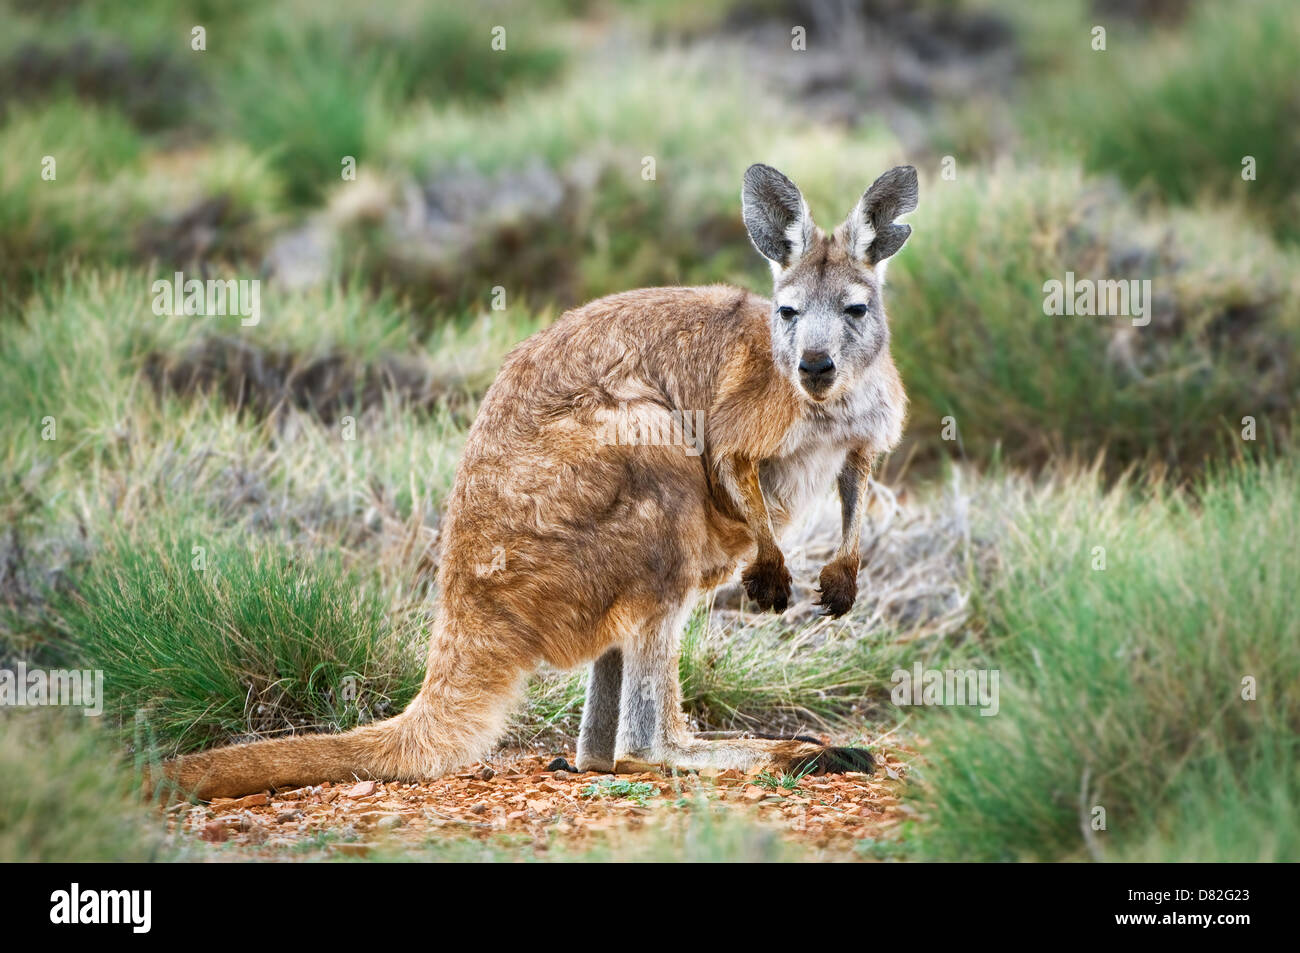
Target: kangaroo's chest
[813,452]
[804,467]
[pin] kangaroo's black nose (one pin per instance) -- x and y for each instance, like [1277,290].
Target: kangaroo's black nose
[816,363]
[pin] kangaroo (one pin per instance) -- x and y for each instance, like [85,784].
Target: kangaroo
[566,544]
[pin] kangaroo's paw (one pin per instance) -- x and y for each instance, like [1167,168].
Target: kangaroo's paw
[839,587]
[768,584]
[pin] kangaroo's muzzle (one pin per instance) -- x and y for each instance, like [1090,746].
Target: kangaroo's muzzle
[816,373]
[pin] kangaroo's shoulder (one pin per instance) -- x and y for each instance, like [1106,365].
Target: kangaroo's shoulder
[717,334]
[718,308]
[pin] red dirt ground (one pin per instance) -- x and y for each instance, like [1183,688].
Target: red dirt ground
[515,795]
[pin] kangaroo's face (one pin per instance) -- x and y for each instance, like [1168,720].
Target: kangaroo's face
[828,320]
[828,325]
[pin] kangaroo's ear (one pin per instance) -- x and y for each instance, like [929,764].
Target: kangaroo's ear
[776,216]
[871,235]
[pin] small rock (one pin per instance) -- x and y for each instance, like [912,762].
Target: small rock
[478,808]
[222,805]
[284,817]
[214,832]
[353,849]
[361,789]
[487,774]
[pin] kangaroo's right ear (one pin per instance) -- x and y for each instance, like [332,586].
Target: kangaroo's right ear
[872,234]
[776,216]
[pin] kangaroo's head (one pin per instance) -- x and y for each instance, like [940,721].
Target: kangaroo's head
[828,321]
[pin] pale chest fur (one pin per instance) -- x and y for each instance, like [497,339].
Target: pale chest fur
[813,451]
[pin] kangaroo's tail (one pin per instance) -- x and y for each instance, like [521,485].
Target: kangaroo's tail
[457,716]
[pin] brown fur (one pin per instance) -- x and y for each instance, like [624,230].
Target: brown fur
[564,547]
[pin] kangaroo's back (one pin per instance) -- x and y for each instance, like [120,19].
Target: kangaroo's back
[597,440]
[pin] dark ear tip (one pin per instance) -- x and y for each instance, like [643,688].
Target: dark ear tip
[901,178]
[905,175]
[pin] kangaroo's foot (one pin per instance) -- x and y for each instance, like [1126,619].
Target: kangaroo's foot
[836,759]
[832,759]
[791,756]
[652,734]
[733,735]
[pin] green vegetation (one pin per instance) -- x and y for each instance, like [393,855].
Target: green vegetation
[211,640]
[784,780]
[637,791]
[1161,688]
[1181,113]
[973,340]
[65,796]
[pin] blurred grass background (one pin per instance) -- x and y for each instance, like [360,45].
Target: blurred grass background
[522,174]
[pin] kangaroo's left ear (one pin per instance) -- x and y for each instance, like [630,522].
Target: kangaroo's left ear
[870,233]
[776,216]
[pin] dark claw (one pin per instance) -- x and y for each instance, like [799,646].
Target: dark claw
[836,760]
[768,584]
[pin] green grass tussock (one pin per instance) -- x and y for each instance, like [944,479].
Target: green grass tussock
[213,639]
[1129,688]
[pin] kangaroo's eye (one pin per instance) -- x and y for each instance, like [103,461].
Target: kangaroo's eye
[786,312]
[856,310]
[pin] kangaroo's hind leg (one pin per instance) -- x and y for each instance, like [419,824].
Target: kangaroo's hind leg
[599,731]
[652,730]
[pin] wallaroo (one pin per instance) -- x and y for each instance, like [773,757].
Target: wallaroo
[599,548]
